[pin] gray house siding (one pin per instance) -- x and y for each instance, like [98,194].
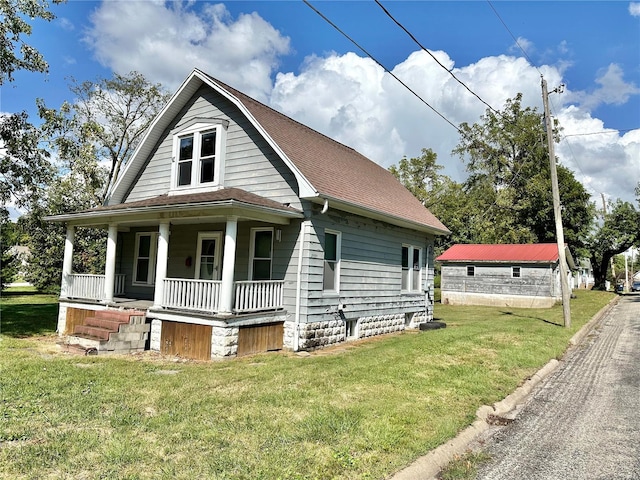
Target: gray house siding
[494,284]
[250,163]
[370,279]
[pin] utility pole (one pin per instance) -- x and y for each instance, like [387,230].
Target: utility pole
[611,262]
[562,258]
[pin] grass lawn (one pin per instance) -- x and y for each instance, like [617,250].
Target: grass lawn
[361,410]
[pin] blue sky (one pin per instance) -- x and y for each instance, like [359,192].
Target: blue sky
[284,54]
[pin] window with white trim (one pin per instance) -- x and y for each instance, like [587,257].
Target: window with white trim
[411,268]
[261,250]
[199,157]
[144,263]
[331,271]
[515,272]
[471,271]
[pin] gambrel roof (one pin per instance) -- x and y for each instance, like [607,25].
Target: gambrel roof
[326,170]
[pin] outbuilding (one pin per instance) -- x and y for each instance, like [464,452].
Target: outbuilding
[515,275]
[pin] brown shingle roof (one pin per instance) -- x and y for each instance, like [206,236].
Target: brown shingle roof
[335,170]
[222,195]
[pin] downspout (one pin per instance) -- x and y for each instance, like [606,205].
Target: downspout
[296,328]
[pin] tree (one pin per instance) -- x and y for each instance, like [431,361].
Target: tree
[12,27]
[91,139]
[106,122]
[24,172]
[420,176]
[617,232]
[510,180]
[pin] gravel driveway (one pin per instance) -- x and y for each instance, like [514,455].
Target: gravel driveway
[583,422]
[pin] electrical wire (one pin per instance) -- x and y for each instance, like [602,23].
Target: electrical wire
[513,36]
[433,56]
[381,65]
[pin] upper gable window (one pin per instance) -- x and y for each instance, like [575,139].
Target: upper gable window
[199,157]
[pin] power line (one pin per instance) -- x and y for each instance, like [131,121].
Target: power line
[381,65]
[513,36]
[603,132]
[433,56]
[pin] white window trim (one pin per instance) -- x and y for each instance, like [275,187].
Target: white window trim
[197,130]
[466,271]
[513,271]
[336,290]
[410,251]
[252,244]
[153,252]
[216,261]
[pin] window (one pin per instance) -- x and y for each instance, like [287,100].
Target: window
[208,256]
[515,272]
[198,151]
[471,271]
[261,253]
[144,264]
[331,273]
[351,329]
[411,268]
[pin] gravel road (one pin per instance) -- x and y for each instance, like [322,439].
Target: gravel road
[583,423]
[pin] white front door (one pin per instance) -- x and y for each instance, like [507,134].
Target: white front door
[208,256]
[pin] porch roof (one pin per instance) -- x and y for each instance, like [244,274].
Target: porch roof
[189,207]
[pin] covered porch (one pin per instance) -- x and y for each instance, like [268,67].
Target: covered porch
[210,254]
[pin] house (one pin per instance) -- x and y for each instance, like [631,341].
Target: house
[234,229]
[502,275]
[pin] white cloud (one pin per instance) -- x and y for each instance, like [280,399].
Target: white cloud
[613,89]
[165,41]
[352,99]
[634,9]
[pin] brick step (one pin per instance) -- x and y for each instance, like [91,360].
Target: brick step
[96,332]
[106,323]
[123,316]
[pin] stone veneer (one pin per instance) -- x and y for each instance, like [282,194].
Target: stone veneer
[330,332]
[224,342]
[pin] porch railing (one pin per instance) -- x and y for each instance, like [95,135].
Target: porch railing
[185,294]
[91,287]
[204,295]
[261,295]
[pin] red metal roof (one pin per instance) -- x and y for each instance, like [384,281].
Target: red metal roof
[536,252]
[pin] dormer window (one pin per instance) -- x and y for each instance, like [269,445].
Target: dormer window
[199,156]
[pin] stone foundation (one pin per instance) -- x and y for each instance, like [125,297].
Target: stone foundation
[224,342]
[156,334]
[380,324]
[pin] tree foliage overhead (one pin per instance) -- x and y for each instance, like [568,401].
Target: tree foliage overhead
[15,54]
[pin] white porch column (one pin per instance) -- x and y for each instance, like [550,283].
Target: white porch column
[228,265]
[110,265]
[161,263]
[67,264]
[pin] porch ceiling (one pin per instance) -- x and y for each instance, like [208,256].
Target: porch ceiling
[183,209]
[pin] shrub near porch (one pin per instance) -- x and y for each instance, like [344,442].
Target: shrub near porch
[361,410]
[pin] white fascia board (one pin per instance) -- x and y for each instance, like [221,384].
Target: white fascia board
[376,215]
[306,189]
[151,137]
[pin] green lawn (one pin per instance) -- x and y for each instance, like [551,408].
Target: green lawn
[362,410]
